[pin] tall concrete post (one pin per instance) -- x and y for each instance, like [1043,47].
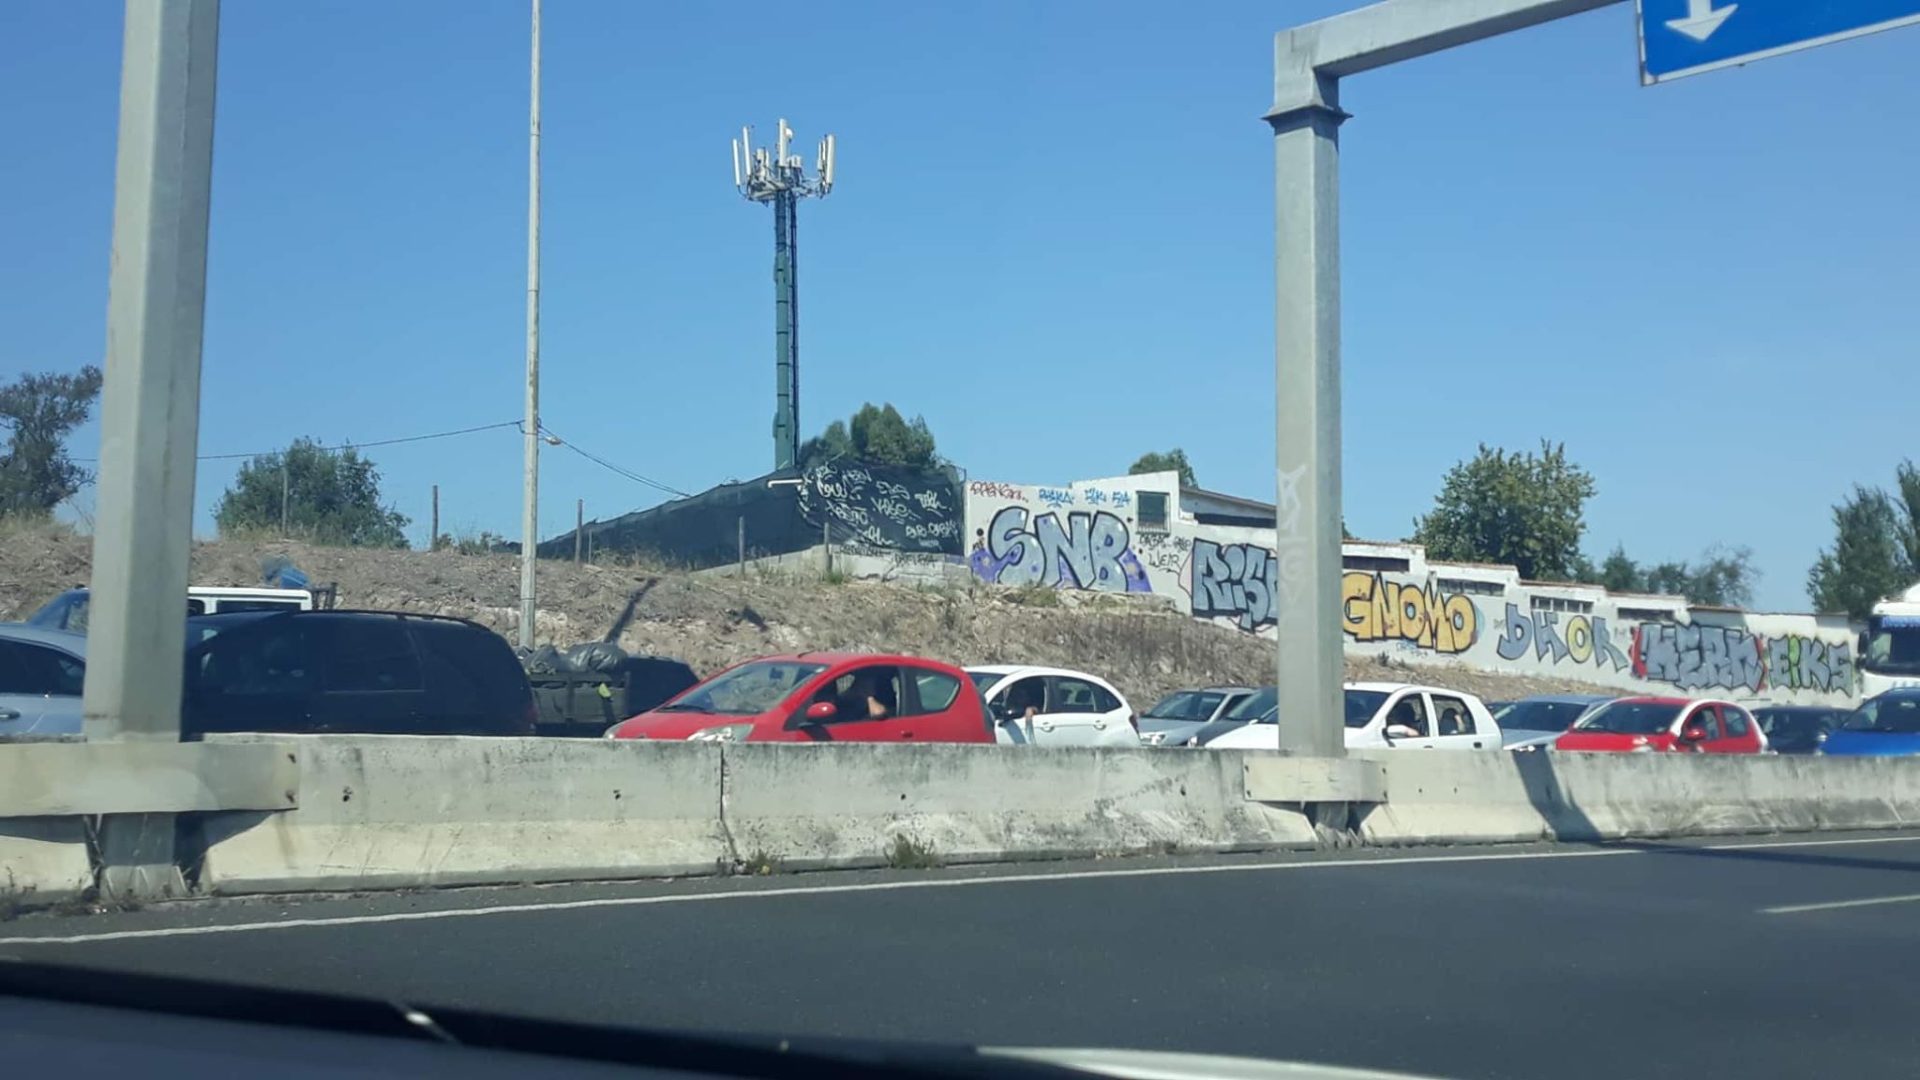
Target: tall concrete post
[530,478]
[1307,434]
[150,410]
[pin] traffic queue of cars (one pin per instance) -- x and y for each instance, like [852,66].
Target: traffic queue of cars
[368,672]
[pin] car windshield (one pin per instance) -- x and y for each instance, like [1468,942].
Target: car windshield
[1186,705]
[1253,706]
[1631,718]
[984,679]
[1362,704]
[1892,714]
[1777,722]
[1893,645]
[1534,715]
[746,690]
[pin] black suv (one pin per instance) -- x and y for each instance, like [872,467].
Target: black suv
[357,672]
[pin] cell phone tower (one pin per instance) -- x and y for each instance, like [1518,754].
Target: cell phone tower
[780,178]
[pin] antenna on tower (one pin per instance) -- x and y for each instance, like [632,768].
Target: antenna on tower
[780,178]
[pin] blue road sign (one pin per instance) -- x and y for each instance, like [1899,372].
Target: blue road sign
[1686,37]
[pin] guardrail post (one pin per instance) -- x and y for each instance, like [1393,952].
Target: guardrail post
[150,410]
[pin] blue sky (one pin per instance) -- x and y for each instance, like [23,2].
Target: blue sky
[1052,236]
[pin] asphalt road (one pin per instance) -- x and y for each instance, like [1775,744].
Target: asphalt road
[1763,957]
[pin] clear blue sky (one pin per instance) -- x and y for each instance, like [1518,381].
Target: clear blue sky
[1052,236]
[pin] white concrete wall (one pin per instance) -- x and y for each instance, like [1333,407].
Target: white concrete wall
[1087,535]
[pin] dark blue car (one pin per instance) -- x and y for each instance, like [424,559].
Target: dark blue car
[1883,726]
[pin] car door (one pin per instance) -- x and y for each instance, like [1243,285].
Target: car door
[932,702]
[1072,716]
[371,681]
[1455,726]
[1007,707]
[39,690]
[260,677]
[1740,733]
[1407,709]
[853,721]
[1707,716]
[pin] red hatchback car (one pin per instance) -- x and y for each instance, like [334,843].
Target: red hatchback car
[822,697]
[1661,724]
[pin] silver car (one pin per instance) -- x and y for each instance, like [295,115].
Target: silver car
[41,673]
[1176,718]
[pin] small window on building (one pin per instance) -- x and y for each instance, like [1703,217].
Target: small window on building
[1376,563]
[1561,603]
[1470,586]
[1151,512]
[1637,614]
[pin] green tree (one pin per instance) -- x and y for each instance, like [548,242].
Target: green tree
[1722,576]
[1174,460]
[1869,558]
[1907,494]
[39,412]
[1619,573]
[877,434]
[332,497]
[1524,509]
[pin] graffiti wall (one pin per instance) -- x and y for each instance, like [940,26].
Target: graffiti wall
[1214,557]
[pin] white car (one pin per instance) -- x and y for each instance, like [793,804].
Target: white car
[1071,708]
[1399,715]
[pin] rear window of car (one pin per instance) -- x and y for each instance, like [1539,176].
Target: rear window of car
[936,689]
[1186,705]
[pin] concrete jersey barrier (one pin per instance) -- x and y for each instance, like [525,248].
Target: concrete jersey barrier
[42,861]
[407,811]
[853,805]
[1499,797]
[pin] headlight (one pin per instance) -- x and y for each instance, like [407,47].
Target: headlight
[611,733]
[723,733]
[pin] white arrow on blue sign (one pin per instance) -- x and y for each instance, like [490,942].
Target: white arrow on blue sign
[1686,37]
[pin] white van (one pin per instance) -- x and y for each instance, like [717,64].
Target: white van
[68,611]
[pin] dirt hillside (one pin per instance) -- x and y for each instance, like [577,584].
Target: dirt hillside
[1143,645]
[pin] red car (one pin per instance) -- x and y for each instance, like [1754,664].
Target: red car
[1662,723]
[822,697]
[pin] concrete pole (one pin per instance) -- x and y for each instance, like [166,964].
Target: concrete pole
[150,409]
[579,527]
[286,491]
[1307,431]
[433,537]
[530,495]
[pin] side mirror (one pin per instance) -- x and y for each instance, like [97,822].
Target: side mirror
[1695,731]
[1400,731]
[821,711]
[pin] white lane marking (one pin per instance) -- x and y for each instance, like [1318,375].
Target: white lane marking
[891,886]
[1834,905]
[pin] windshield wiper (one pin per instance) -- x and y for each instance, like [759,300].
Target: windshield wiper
[681,706]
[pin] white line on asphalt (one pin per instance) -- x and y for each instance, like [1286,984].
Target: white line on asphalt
[1834,905]
[891,886]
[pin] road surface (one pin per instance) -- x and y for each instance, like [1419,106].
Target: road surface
[1751,957]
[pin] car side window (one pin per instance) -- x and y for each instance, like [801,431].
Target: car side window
[1407,712]
[1104,699]
[370,656]
[1071,695]
[1013,702]
[39,671]
[1451,715]
[1706,718]
[1738,725]
[933,691]
[865,693]
[277,659]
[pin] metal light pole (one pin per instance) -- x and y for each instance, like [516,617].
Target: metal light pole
[530,495]
[150,409]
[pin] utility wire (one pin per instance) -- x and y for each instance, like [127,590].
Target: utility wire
[355,445]
[553,437]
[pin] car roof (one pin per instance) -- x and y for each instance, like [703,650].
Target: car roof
[1655,699]
[1565,699]
[70,641]
[834,658]
[1027,669]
